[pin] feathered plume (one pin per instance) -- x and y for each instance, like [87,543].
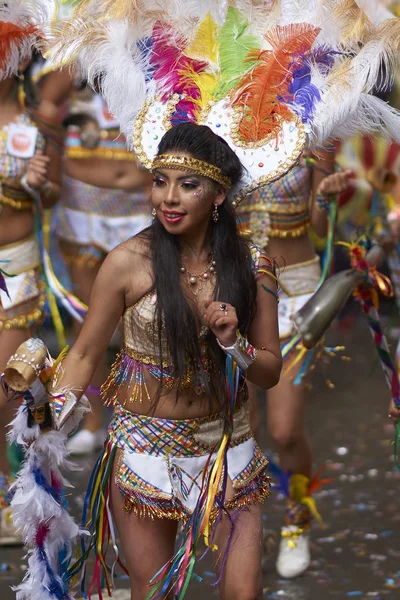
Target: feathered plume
[257,93]
[235,33]
[21,24]
[354,23]
[303,93]
[174,72]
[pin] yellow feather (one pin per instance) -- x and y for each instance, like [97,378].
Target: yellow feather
[205,44]
[206,83]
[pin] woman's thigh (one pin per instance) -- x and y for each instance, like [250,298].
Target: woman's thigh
[239,554]
[147,544]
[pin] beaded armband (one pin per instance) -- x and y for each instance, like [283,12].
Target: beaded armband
[323,203]
[241,351]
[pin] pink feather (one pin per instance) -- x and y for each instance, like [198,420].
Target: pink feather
[171,67]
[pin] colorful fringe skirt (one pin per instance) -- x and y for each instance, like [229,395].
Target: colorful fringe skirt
[25,305]
[163,469]
[161,465]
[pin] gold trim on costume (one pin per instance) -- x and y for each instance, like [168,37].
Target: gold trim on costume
[16,204]
[289,233]
[104,153]
[306,263]
[270,208]
[186,163]
[145,358]
[25,321]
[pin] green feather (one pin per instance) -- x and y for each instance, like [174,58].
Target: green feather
[235,42]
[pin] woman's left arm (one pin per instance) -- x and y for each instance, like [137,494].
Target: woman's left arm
[263,336]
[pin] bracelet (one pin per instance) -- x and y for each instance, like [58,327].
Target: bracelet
[62,405]
[323,203]
[241,351]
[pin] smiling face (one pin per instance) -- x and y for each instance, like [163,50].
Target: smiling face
[184,201]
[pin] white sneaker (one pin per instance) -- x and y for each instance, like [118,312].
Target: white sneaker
[294,552]
[85,442]
[9,536]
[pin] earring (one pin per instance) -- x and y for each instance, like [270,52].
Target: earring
[21,91]
[154,214]
[215,214]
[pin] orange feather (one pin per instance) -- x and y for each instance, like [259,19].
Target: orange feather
[12,34]
[258,91]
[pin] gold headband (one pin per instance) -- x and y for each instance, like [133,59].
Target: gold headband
[186,163]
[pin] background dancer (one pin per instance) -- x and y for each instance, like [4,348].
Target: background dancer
[104,201]
[278,218]
[30,150]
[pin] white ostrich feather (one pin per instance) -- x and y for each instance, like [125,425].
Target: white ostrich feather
[375,10]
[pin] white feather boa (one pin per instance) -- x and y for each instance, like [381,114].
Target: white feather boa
[38,507]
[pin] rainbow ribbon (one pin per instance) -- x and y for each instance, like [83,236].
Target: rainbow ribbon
[177,573]
[368,298]
[54,290]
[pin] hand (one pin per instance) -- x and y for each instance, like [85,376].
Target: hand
[36,174]
[334,184]
[223,322]
[394,412]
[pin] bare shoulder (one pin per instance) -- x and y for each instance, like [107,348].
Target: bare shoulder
[131,264]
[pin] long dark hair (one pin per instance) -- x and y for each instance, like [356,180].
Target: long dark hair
[235,282]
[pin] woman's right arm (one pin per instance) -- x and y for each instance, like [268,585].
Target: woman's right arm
[107,305]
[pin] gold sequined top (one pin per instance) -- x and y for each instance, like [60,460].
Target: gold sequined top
[280,209]
[140,333]
[141,338]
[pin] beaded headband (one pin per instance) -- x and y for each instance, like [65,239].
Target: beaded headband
[194,165]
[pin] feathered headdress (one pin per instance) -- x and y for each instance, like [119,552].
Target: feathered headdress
[21,25]
[264,75]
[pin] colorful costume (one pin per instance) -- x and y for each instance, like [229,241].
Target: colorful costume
[266,82]
[282,210]
[94,220]
[22,258]
[165,479]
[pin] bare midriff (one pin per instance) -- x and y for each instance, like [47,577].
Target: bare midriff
[106,173]
[290,251]
[189,405]
[15,225]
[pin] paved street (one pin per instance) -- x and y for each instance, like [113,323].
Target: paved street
[356,554]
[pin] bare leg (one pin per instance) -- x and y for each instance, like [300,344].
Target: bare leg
[9,342]
[83,278]
[242,576]
[286,404]
[147,544]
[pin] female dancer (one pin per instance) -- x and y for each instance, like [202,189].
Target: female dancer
[279,216]
[30,148]
[104,201]
[190,290]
